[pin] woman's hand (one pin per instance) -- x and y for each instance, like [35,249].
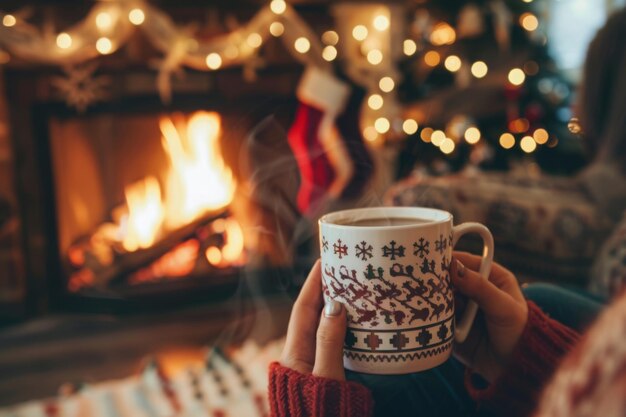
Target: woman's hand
[501,320]
[314,338]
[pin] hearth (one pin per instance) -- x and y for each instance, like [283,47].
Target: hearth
[135,204]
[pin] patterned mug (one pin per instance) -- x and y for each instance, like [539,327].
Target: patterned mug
[389,268]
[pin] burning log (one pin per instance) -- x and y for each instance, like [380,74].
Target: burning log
[124,263]
[178,228]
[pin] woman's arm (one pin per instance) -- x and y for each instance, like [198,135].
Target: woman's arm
[310,380]
[513,348]
[534,360]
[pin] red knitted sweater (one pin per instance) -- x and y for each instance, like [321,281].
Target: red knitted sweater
[516,393]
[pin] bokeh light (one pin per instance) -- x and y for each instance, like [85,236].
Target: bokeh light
[382,125]
[479,69]
[329,53]
[213,61]
[278,6]
[528,144]
[277,29]
[302,45]
[541,136]
[452,63]
[432,58]
[104,46]
[529,21]
[64,40]
[381,22]
[409,47]
[136,16]
[472,135]
[409,126]
[447,146]
[375,101]
[516,76]
[507,140]
[386,84]
[359,32]
[330,37]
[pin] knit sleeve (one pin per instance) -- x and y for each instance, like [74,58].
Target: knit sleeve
[292,394]
[542,345]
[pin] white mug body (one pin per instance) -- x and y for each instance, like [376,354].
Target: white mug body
[394,283]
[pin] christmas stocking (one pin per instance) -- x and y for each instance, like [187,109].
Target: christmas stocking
[350,133]
[323,160]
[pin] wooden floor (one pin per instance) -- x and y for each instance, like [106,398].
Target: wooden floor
[38,356]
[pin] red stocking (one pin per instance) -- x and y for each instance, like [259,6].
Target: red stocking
[323,160]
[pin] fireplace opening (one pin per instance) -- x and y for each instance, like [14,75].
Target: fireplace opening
[146,205]
[143,198]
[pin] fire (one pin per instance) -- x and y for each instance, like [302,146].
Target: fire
[232,251]
[145,214]
[197,181]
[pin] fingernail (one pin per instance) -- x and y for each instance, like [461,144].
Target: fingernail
[332,308]
[460,269]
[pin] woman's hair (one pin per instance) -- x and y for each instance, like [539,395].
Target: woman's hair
[602,103]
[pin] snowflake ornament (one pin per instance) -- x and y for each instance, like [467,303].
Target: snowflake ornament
[79,86]
[364,251]
[421,247]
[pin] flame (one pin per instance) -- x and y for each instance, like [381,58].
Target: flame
[232,253]
[233,249]
[145,214]
[198,180]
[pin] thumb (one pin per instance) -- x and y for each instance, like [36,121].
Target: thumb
[329,347]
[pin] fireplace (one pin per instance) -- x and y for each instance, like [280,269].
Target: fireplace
[134,205]
[142,199]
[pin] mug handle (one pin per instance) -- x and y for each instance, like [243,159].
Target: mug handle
[463,327]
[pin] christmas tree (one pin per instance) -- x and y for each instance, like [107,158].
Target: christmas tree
[479,80]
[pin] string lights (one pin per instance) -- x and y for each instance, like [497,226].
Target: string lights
[136,16]
[507,140]
[479,69]
[277,29]
[529,22]
[381,22]
[375,57]
[447,146]
[528,144]
[110,24]
[359,32]
[386,84]
[382,125]
[302,45]
[104,45]
[64,40]
[409,47]
[452,63]
[437,137]
[329,53]
[330,37]
[432,58]
[410,126]
[375,101]
[104,21]
[9,20]
[278,6]
[213,61]
[472,135]
[541,136]
[254,40]
[516,76]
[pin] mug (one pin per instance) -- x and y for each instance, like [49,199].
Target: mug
[389,267]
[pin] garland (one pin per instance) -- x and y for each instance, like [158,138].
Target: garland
[109,25]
